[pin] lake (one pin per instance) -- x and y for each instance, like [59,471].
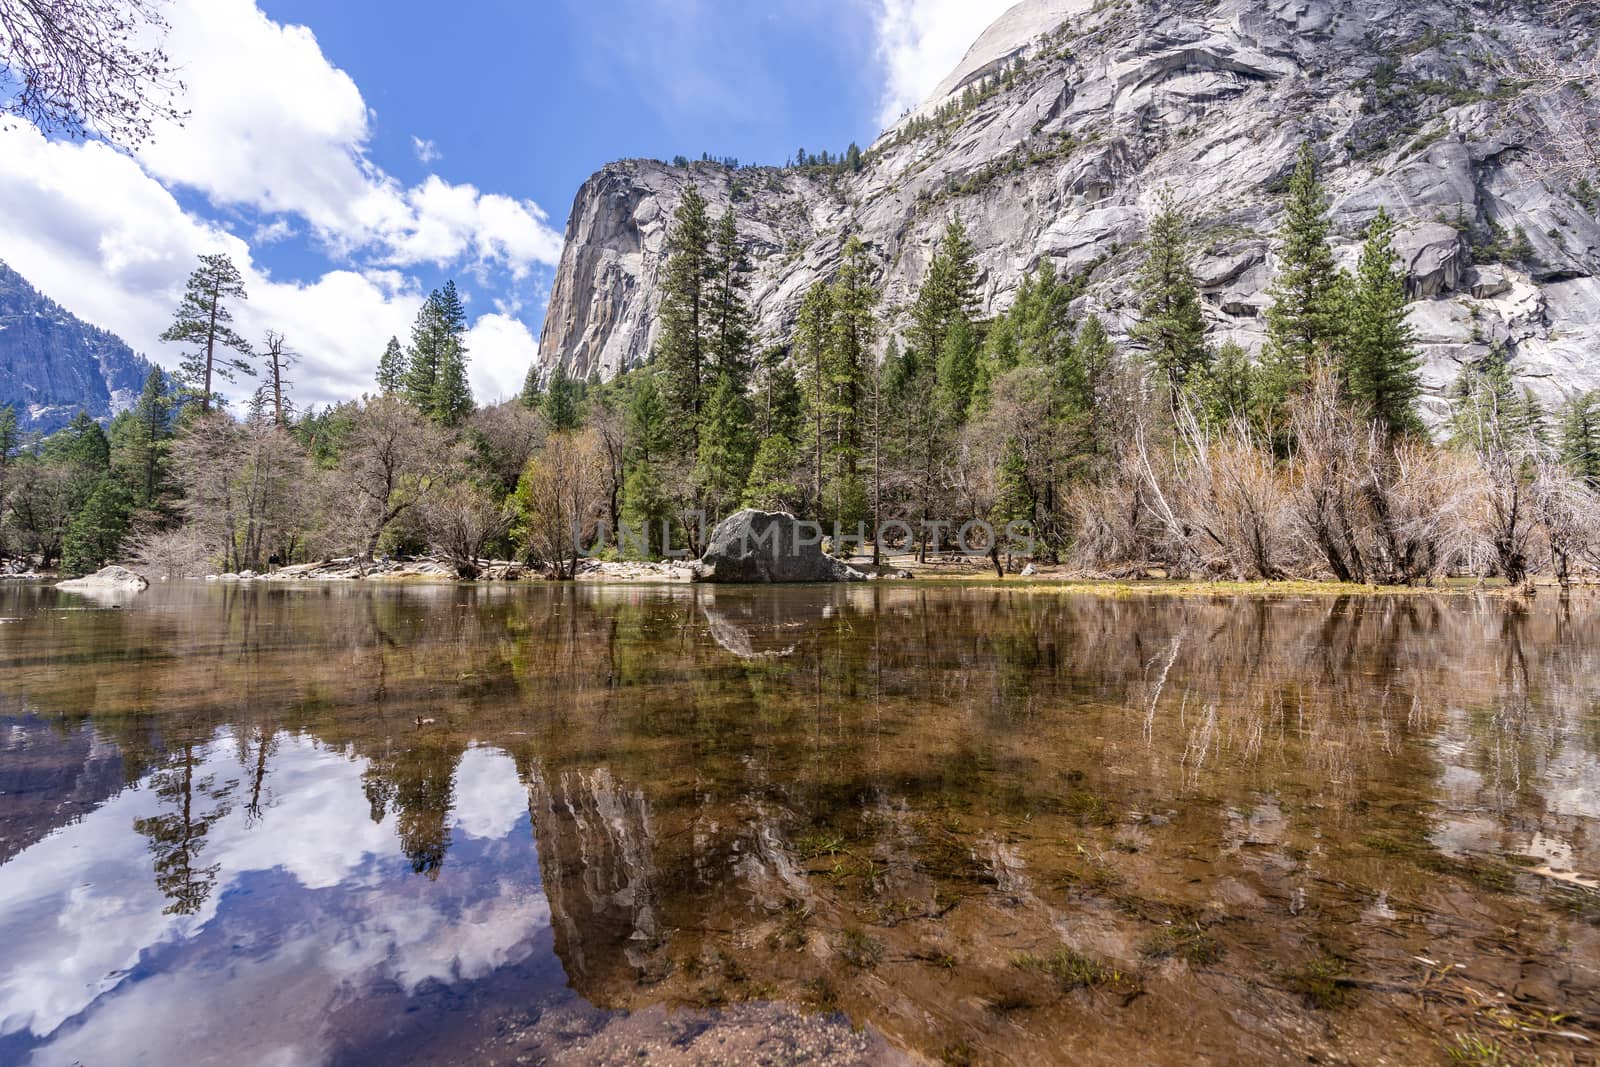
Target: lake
[343,823]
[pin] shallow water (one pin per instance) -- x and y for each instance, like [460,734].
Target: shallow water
[440,823]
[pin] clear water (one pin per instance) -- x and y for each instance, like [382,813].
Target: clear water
[441,823]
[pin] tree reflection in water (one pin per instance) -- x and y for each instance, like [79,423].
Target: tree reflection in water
[990,822]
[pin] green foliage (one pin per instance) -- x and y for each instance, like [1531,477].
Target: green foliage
[1580,436]
[562,403]
[1014,498]
[436,375]
[1381,364]
[142,445]
[726,448]
[1170,325]
[1231,387]
[732,331]
[681,347]
[1304,321]
[645,509]
[776,400]
[97,528]
[772,485]
[392,368]
[203,324]
[1489,413]
[957,370]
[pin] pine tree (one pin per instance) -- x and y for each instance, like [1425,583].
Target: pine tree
[203,322]
[1170,324]
[949,291]
[436,377]
[141,451]
[1304,320]
[685,320]
[1231,387]
[772,485]
[853,335]
[560,405]
[732,337]
[957,371]
[392,368]
[777,396]
[452,394]
[726,447]
[1380,358]
[1014,496]
[97,529]
[644,426]
[422,358]
[1580,436]
[645,509]
[813,338]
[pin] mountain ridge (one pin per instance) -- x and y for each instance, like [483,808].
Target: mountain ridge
[1410,106]
[53,364]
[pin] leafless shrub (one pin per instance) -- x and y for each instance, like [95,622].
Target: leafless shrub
[1233,503]
[1568,514]
[388,464]
[1370,508]
[172,553]
[460,518]
[560,495]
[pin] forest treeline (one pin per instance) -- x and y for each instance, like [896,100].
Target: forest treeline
[1169,450]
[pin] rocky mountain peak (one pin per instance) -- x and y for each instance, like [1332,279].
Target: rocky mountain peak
[1065,121]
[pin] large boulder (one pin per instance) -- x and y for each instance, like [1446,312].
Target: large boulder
[107,579]
[769,546]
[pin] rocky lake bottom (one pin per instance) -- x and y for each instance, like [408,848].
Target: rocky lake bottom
[523,823]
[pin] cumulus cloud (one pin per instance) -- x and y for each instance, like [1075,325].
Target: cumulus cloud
[501,350]
[921,41]
[89,227]
[275,126]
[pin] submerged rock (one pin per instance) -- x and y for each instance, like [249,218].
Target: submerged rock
[769,546]
[113,578]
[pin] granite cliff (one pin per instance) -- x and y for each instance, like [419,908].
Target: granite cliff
[54,365]
[1067,118]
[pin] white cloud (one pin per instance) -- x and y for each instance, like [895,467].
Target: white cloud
[426,150]
[275,126]
[501,349]
[275,129]
[87,226]
[921,41]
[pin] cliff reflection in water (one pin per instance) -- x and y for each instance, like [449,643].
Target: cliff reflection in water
[311,811]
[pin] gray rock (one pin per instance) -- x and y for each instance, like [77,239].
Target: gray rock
[768,546]
[1115,103]
[1486,283]
[1432,257]
[111,578]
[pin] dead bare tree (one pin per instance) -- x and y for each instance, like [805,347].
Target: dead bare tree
[460,518]
[1560,102]
[1567,512]
[387,466]
[560,496]
[88,67]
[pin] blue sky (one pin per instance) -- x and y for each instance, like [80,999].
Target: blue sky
[351,155]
